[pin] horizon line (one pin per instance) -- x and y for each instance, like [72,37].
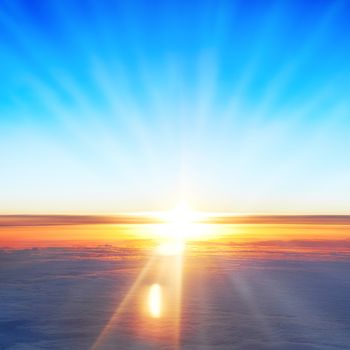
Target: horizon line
[13,220]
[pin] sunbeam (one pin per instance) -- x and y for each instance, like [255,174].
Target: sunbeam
[163,299]
[112,322]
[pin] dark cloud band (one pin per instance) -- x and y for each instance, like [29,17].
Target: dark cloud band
[57,220]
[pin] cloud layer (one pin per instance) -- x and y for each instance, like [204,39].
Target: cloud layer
[244,298]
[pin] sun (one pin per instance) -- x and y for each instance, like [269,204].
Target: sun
[182,214]
[180,225]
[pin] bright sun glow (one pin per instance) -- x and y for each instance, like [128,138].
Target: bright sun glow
[171,247]
[182,215]
[155,300]
[180,224]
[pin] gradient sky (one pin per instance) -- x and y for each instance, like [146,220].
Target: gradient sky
[114,106]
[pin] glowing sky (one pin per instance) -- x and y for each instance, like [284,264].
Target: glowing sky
[112,106]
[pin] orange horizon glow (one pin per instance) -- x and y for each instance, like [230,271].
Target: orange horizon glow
[90,234]
[169,230]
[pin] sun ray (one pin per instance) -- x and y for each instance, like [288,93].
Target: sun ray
[115,316]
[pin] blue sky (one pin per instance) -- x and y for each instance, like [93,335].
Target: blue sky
[113,106]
